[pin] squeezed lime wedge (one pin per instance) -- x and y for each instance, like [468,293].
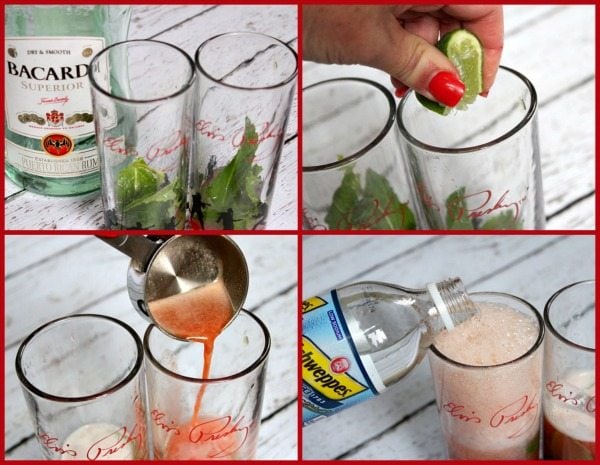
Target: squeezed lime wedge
[464,50]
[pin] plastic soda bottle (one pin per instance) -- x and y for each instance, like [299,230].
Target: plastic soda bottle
[361,338]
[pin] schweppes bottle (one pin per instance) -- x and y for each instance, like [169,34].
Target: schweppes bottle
[361,338]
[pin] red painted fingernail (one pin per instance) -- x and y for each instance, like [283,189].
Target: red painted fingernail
[485,94]
[401,91]
[447,88]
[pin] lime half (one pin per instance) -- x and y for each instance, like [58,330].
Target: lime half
[464,50]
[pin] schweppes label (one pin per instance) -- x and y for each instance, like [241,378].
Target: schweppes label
[317,372]
[334,376]
[312,304]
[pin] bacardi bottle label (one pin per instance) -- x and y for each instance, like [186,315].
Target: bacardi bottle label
[48,103]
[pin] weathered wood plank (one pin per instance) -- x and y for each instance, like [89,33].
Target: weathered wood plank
[278,436]
[410,434]
[150,20]
[71,282]
[567,139]
[279,21]
[577,216]
[354,254]
[22,254]
[517,17]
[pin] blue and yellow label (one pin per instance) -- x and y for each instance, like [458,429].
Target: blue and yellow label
[312,303]
[333,377]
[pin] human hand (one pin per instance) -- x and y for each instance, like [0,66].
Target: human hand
[399,39]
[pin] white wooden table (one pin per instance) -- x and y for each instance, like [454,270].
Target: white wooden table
[402,422]
[554,46]
[186,27]
[52,276]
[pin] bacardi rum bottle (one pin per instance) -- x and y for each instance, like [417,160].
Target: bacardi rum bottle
[50,145]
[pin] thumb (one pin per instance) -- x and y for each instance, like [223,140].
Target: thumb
[419,65]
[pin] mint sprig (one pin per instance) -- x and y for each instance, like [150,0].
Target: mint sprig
[375,207]
[457,217]
[230,198]
[162,210]
[146,199]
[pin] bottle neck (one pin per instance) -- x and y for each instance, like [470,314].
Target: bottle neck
[452,303]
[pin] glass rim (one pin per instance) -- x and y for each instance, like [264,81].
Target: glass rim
[374,141]
[531,350]
[184,88]
[474,148]
[133,372]
[551,327]
[285,81]
[249,369]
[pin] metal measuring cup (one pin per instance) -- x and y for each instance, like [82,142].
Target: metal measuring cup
[163,266]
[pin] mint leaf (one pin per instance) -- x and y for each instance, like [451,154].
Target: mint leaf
[164,209]
[230,198]
[532,447]
[345,200]
[387,211]
[458,218]
[456,211]
[223,189]
[136,181]
[374,207]
[147,200]
[504,220]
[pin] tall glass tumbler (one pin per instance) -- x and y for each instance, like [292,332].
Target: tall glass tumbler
[479,168]
[143,106]
[217,417]
[492,412]
[83,383]
[245,92]
[353,175]
[570,373]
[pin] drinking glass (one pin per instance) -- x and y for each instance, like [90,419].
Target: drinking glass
[83,383]
[218,417]
[353,176]
[570,373]
[479,168]
[143,108]
[491,412]
[245,92]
